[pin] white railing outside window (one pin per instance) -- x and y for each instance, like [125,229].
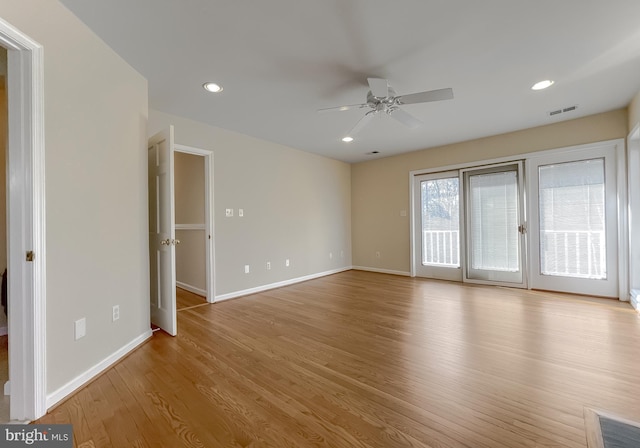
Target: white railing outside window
[574,253]
[441,248]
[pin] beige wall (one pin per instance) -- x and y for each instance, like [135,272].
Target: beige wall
[634,112]
[380,188]
[190,209]
[296,205]
[96,190]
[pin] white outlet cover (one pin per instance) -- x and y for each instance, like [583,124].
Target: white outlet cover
[286,262]
[246,269]
[268,265]
[240,212]
[229,213]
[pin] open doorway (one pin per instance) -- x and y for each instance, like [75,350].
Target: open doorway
[25,243]
[192,194]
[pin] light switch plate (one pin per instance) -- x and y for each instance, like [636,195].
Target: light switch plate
[229,213]
[80,328]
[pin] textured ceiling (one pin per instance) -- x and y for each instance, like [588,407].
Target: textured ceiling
[281,60]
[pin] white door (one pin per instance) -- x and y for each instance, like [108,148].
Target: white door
[162,240]
[574,235]
[495,225]
[437,225]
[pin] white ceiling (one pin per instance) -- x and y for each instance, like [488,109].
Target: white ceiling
[281,60]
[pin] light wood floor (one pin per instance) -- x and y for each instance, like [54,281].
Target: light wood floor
[186,299]
[360,359]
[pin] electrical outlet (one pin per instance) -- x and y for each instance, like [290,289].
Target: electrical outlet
[377,254]
[240,212]
[246,268]
[229,213]
[268,265]
[330,255]
[116,313]
[80,328]
[286,262]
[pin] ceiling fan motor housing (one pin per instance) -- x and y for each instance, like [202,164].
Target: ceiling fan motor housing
[382,104]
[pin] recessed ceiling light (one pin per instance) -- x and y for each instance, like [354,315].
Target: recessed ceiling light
[347,139]
[542,84]
[212,87]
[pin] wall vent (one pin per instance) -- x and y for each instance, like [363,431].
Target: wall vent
[564,110]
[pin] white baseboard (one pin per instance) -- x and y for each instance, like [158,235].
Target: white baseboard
[246,292]
[635,299]
[4,331]
[382,271]
[76,383]
[193,289]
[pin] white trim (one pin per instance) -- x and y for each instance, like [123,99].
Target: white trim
[4,331]
[633,211]
[623,222]
[514,158]
[635,299]
[257,289]
[381,271]
[82,379]
[190,227]
[193,289]
[26,224]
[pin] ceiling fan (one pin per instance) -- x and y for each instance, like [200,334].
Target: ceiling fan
[381,98]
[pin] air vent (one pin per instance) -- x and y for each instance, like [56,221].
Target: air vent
[564,110]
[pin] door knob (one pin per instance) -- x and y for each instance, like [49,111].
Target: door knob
[175,242]
[166,242]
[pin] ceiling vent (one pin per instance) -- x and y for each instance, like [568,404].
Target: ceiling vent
[564,110]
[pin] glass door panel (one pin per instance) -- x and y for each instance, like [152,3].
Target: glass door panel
[494,219]
[437,226]
[574,211]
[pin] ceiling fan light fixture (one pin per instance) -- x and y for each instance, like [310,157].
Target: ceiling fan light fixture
[212,87]
[542,84]
[347,139]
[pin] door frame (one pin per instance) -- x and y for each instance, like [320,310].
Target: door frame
[633,221]
[208,214]
[522,219]
[442,273]
[613,151]
[26,224]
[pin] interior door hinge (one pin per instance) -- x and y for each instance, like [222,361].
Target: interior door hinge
[30,255]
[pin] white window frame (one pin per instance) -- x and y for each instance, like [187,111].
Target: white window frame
[432,271]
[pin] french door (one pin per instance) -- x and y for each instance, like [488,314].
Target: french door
[574,211]
[495,225]
[473,225]
[437,226]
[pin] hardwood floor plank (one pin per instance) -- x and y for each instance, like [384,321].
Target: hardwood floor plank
[359,359]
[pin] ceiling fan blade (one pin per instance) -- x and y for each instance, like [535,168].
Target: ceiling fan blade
[425,97]
[379,87]
[406,118]
[343,108]
[361,124]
